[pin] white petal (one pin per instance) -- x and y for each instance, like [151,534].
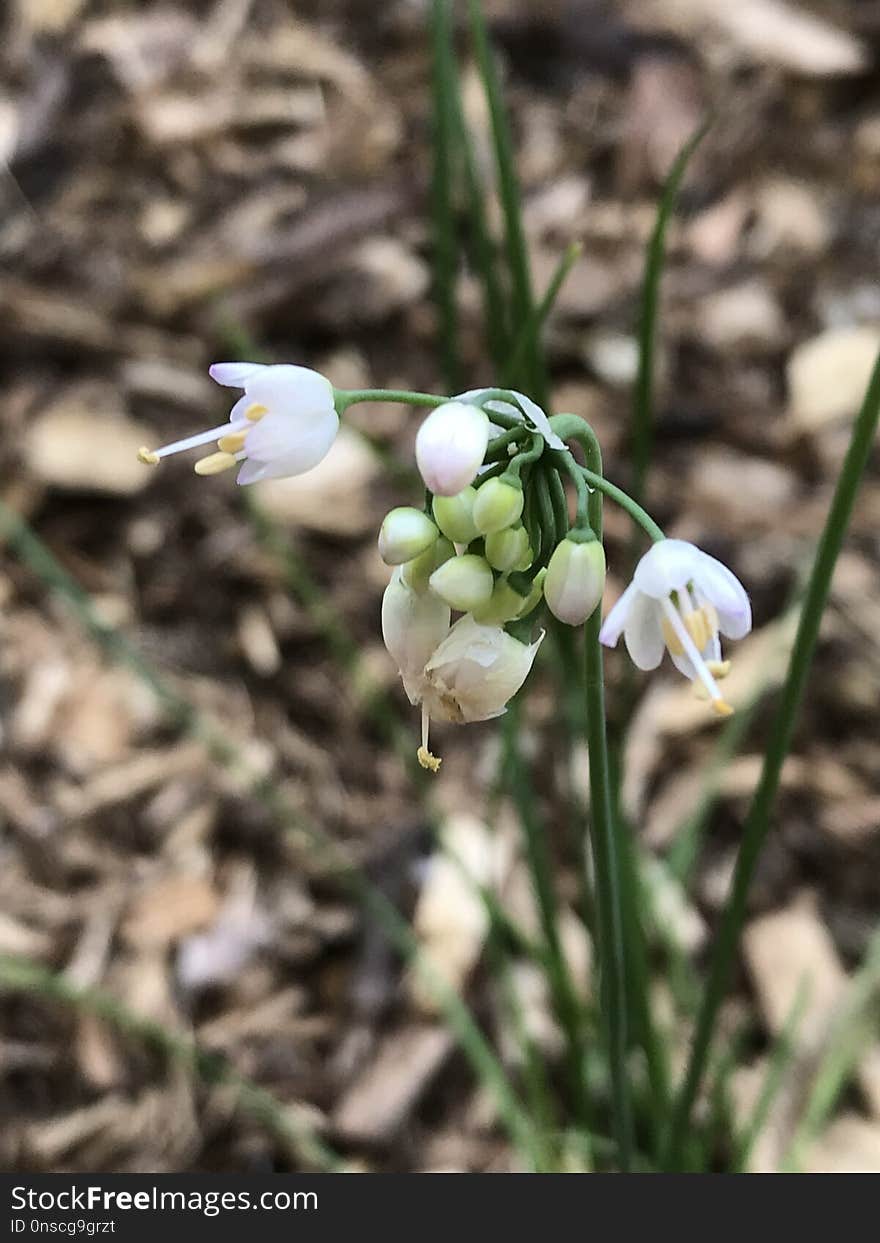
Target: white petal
[413,625]
[720,586]
[297,392]
[234,375]
[252,472]
[643,633]
[291,446]
[684,665]
[612,627]
[526,406]
[666,567]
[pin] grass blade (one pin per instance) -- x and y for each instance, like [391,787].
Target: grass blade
[444,126]
[20,975]
[534,375]
[643,396]
[757,823]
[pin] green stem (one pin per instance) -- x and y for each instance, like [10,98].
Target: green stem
[757,823]
[350,397]
[605,860]
[531,329]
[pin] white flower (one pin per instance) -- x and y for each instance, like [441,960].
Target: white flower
[533,412]
[283,425]
[681,599]
[450,447]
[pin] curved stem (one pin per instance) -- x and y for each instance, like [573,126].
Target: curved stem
[625,501]
[583,492]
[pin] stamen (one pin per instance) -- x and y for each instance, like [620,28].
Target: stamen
[147,456]
[690,650]
[698,627]
[722,707]
[673,645]
[202,438]
[255,412]
[232,443]
[214,464]
[718,668]
[423,755]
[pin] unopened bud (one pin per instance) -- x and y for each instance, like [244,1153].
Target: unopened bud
[509,549]
[454,516]
[416,573]
[405,533]
[575,580]
[465,583]
[450,447]
[499,504]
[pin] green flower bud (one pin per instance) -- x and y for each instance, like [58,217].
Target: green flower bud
[575,580]
[507,604]
[405,533]
[454,516]
[509,549]
[416,573]
[465,583]
[499,504]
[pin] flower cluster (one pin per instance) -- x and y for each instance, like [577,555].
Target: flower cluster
[493,543]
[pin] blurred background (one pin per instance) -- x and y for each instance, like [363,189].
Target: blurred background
[183,182]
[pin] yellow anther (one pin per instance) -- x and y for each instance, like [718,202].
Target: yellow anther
[673,642]
[700,626]
[147,456]
[233,443]
[718,668]
[214,464]
[256,412]
[427,760]
[722,707]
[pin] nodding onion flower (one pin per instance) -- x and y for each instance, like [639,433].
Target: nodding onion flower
[466,673]
[681,600]
[283,425]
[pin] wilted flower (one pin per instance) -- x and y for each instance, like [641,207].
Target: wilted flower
[681,599]
[405,534]
[471,676]
[283,425]
[575,580]
[450,447]
[413,624]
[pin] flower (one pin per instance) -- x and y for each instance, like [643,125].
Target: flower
[471,676]
[575,580]
[681,599]
[283,425]
[450,447]
[405,534]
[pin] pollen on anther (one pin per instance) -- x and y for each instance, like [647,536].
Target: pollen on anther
[427,760]
[148,456]
[722,707]
[233,443]
[214,464]
[256,412]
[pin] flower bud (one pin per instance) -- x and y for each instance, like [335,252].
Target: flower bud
[450,447]
[499,504]
[575,580]
[405,533]
[454,516]
[464,583]
[416,573]
[506,603]
[509,550]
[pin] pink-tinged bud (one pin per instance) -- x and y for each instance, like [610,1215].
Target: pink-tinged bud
[450,447]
